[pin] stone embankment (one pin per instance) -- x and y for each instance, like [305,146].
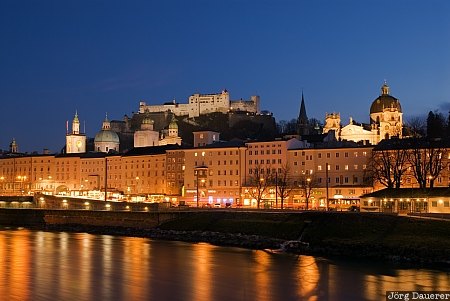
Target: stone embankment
[378,237]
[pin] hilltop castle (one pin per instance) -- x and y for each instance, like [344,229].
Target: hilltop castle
[153,125]
[200,104]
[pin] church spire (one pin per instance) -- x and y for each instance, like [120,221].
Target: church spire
[13,147]
[302,121]
[106,124]
[385,88]
[76,124]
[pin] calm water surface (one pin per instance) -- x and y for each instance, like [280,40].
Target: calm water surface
[38,265]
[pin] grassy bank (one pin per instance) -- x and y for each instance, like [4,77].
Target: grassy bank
[357,235]
[376,236]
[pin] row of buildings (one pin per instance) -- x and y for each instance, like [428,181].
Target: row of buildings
[281,173]
[217,172]
[107,140]
[386,121]
[271,174]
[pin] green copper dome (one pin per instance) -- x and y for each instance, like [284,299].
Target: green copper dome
[108,136]
[173,124]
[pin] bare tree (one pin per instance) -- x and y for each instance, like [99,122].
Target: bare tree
[258,184]
[388,164]
[437,164]
[427,161]
[417,126]
[283,184]
[306,184]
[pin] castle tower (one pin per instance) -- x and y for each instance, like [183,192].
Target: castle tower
[75,141]
[302,121]
[332,123]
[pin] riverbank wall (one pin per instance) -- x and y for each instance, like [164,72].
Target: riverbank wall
[343,234]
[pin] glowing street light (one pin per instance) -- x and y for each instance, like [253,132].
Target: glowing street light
[2,178]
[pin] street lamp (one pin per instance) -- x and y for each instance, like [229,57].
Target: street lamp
[137,185]
[326,185]
[198,191]
[21,179]
[200,171]
[2,178]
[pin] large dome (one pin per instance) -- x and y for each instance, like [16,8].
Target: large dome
[108,136]
[385,101]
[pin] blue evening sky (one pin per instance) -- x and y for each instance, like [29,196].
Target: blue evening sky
[102,56]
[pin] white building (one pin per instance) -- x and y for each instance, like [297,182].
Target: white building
[170,135]
[385,121]
[199,104]
[386,115]
[146,136]
[75,141]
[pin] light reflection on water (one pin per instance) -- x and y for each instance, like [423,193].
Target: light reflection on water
[37,265]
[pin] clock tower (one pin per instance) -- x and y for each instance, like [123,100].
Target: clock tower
[75,141]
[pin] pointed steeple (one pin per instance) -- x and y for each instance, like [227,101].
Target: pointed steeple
[302,121]
[106,124]
[302,117]
[76,124]
[13,147]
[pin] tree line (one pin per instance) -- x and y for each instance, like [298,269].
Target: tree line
[263,181]
[421,158]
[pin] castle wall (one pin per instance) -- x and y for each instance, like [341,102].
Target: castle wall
[199,104]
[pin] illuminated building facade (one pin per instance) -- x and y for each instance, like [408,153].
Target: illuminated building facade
[144,172]
[199,104]
[106,140]
[75,141]
[146,136]
[386,121]
[213,173]
[175,166]
[347,170]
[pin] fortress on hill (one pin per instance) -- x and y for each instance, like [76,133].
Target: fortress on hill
[200,104]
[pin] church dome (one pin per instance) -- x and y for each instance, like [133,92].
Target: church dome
[147,120]
[385,101]
[107,136]
[173,124]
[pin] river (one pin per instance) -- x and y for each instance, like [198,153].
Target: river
[39,265]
